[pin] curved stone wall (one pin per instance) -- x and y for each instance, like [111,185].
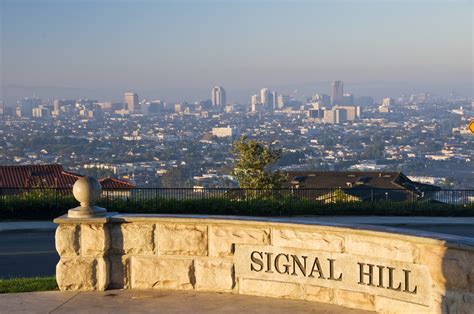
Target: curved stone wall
[390,272]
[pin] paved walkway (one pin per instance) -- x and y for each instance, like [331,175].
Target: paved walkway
[158,301]
[365,220]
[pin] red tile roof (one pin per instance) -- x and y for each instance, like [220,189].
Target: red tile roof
[113,183]
[51,176]
[27,176]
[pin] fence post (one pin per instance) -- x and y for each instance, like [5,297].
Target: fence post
[372,205]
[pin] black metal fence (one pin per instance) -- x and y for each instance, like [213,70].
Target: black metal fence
[51,202]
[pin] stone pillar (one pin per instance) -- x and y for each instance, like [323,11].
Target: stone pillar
[82,241]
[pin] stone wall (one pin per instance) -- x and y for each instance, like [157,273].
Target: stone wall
[207,254]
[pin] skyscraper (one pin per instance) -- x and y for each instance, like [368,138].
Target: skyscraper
[274,100]
[131,99]
[218,96]
[337,93]
[282,101]
[265,96]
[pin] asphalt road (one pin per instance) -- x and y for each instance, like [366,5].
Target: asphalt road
[32,253]
[27,254]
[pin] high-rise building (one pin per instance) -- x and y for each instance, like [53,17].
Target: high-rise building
[265,96]
[328,116]
[337,94]
[348,100]
[387,102]
[274,100]
[56,109]
[340,115]
[218,97]
[255,100]
[282,101]
[324,99]
[27,106]
[131,99]
[352,113]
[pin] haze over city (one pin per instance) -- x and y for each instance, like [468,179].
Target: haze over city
[177,50]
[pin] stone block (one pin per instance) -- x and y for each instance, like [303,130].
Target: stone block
[319,294]
[119,272]
[132,238]
[307,239]
[450,268]
[181,239]
[466,303]
[82,274]
[445,301]
[271,289]
[392,306]
[223,238]
[356,300]
[214,274]
[384,248]
[94,240]
[161,273]
[68,240]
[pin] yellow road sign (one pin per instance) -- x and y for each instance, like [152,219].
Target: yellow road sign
[471,126]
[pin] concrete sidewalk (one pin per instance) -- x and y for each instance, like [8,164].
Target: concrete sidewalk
[399,221]
[157,301]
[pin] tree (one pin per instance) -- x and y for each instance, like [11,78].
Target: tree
[253,160]
[177,178]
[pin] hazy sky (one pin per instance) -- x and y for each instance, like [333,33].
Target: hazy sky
[178,50]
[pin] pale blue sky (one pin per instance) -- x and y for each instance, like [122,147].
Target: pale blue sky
[178,50]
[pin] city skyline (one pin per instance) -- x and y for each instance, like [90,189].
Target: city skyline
[371,50]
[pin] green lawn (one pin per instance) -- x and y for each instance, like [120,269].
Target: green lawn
[15,285]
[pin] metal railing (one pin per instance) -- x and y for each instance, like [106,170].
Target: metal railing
[55,201]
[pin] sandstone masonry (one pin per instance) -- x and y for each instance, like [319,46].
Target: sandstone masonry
[184,253]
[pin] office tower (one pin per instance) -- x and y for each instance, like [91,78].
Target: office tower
[386,106]
[275,100]
[365,101]
[27,106]
[265,96]
[56,113]
[387,102]
[131,99]
[322,98]
[328,116]
[270,100]
[283,101]
[340,116]
[316,113]
[156,106]
[337,93]
[254,101]
[348,100]
[218,97]
[40,112]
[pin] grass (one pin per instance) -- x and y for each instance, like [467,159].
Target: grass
[15,285]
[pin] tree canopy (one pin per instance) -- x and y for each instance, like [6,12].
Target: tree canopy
[253,162]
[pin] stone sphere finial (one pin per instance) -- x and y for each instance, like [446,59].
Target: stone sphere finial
[86,190]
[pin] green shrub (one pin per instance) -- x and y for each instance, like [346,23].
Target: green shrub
[49,205]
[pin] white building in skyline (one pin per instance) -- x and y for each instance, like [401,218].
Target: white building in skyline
[218,97]
[131,99]
[265,96]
